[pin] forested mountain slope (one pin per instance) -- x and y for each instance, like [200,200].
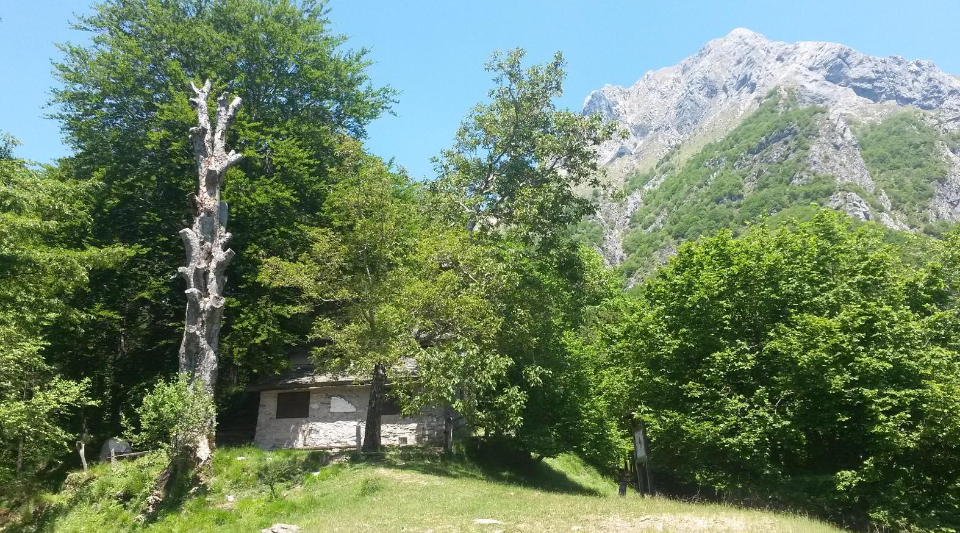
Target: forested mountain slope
[750,127]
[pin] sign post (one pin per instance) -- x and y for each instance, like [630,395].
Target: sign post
[641,457]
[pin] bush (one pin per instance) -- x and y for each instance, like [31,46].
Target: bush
[173,414]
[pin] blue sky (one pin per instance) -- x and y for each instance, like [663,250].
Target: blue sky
[433,51]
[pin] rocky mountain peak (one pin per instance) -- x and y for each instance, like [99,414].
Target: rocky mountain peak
[673,113]
[712,90]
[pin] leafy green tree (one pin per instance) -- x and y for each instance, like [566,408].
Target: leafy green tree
[517,160]
[124,109]
[43,260]
[7,144]
[809,364]
[357,267]
[383,289]
[510,181]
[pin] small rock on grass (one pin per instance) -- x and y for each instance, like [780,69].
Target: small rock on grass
[281,528]
[486,521]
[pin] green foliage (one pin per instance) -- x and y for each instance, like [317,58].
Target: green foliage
[517,159]
[356,268]
[386,285]
[757,170]
[7,144]
[370,486]
[810,364]
[509,183]
[481,308]
[275,473]
[124,110]
[903,156]
[587,233]
[174,414]
[43,260]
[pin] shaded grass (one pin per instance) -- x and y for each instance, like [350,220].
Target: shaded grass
[413,491]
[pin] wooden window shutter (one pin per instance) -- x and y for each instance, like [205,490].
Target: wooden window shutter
[293,404]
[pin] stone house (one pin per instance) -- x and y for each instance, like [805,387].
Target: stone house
[304,409]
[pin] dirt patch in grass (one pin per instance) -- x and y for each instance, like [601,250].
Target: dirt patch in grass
[668,522]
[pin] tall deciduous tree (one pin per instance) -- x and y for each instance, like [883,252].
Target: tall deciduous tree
[123,110]
[510,181]
[517,160]
[389,286]
[358,271]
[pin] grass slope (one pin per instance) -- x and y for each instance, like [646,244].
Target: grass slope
[401,492]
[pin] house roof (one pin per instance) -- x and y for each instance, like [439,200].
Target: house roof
[305,376]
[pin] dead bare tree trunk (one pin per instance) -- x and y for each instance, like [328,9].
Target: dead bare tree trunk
[207,259]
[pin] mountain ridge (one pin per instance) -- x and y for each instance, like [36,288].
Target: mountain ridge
[678,111]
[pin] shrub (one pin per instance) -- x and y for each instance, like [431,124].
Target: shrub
[174,413]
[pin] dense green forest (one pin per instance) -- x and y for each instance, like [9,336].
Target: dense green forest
[808,361]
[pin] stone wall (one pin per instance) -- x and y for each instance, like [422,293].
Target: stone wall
[335,413]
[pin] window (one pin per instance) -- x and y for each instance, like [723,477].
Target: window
[293,404]
[389,406]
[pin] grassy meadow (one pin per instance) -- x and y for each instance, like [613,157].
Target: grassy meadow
[416,491]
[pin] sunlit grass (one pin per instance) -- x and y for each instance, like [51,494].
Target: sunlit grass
[401,492]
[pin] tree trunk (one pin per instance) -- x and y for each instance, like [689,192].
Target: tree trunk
[371,439]
[180,463]
[207,260]
[206,257]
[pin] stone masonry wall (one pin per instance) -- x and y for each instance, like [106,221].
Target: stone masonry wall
[335,413]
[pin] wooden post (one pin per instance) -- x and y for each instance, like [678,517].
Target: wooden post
[359,436]
[646,462]
[81,449]
[448,434]
[641,456]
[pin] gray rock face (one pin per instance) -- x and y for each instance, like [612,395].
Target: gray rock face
[836,152]
[946,202]
[851,204]
[708,93]
[705,96]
